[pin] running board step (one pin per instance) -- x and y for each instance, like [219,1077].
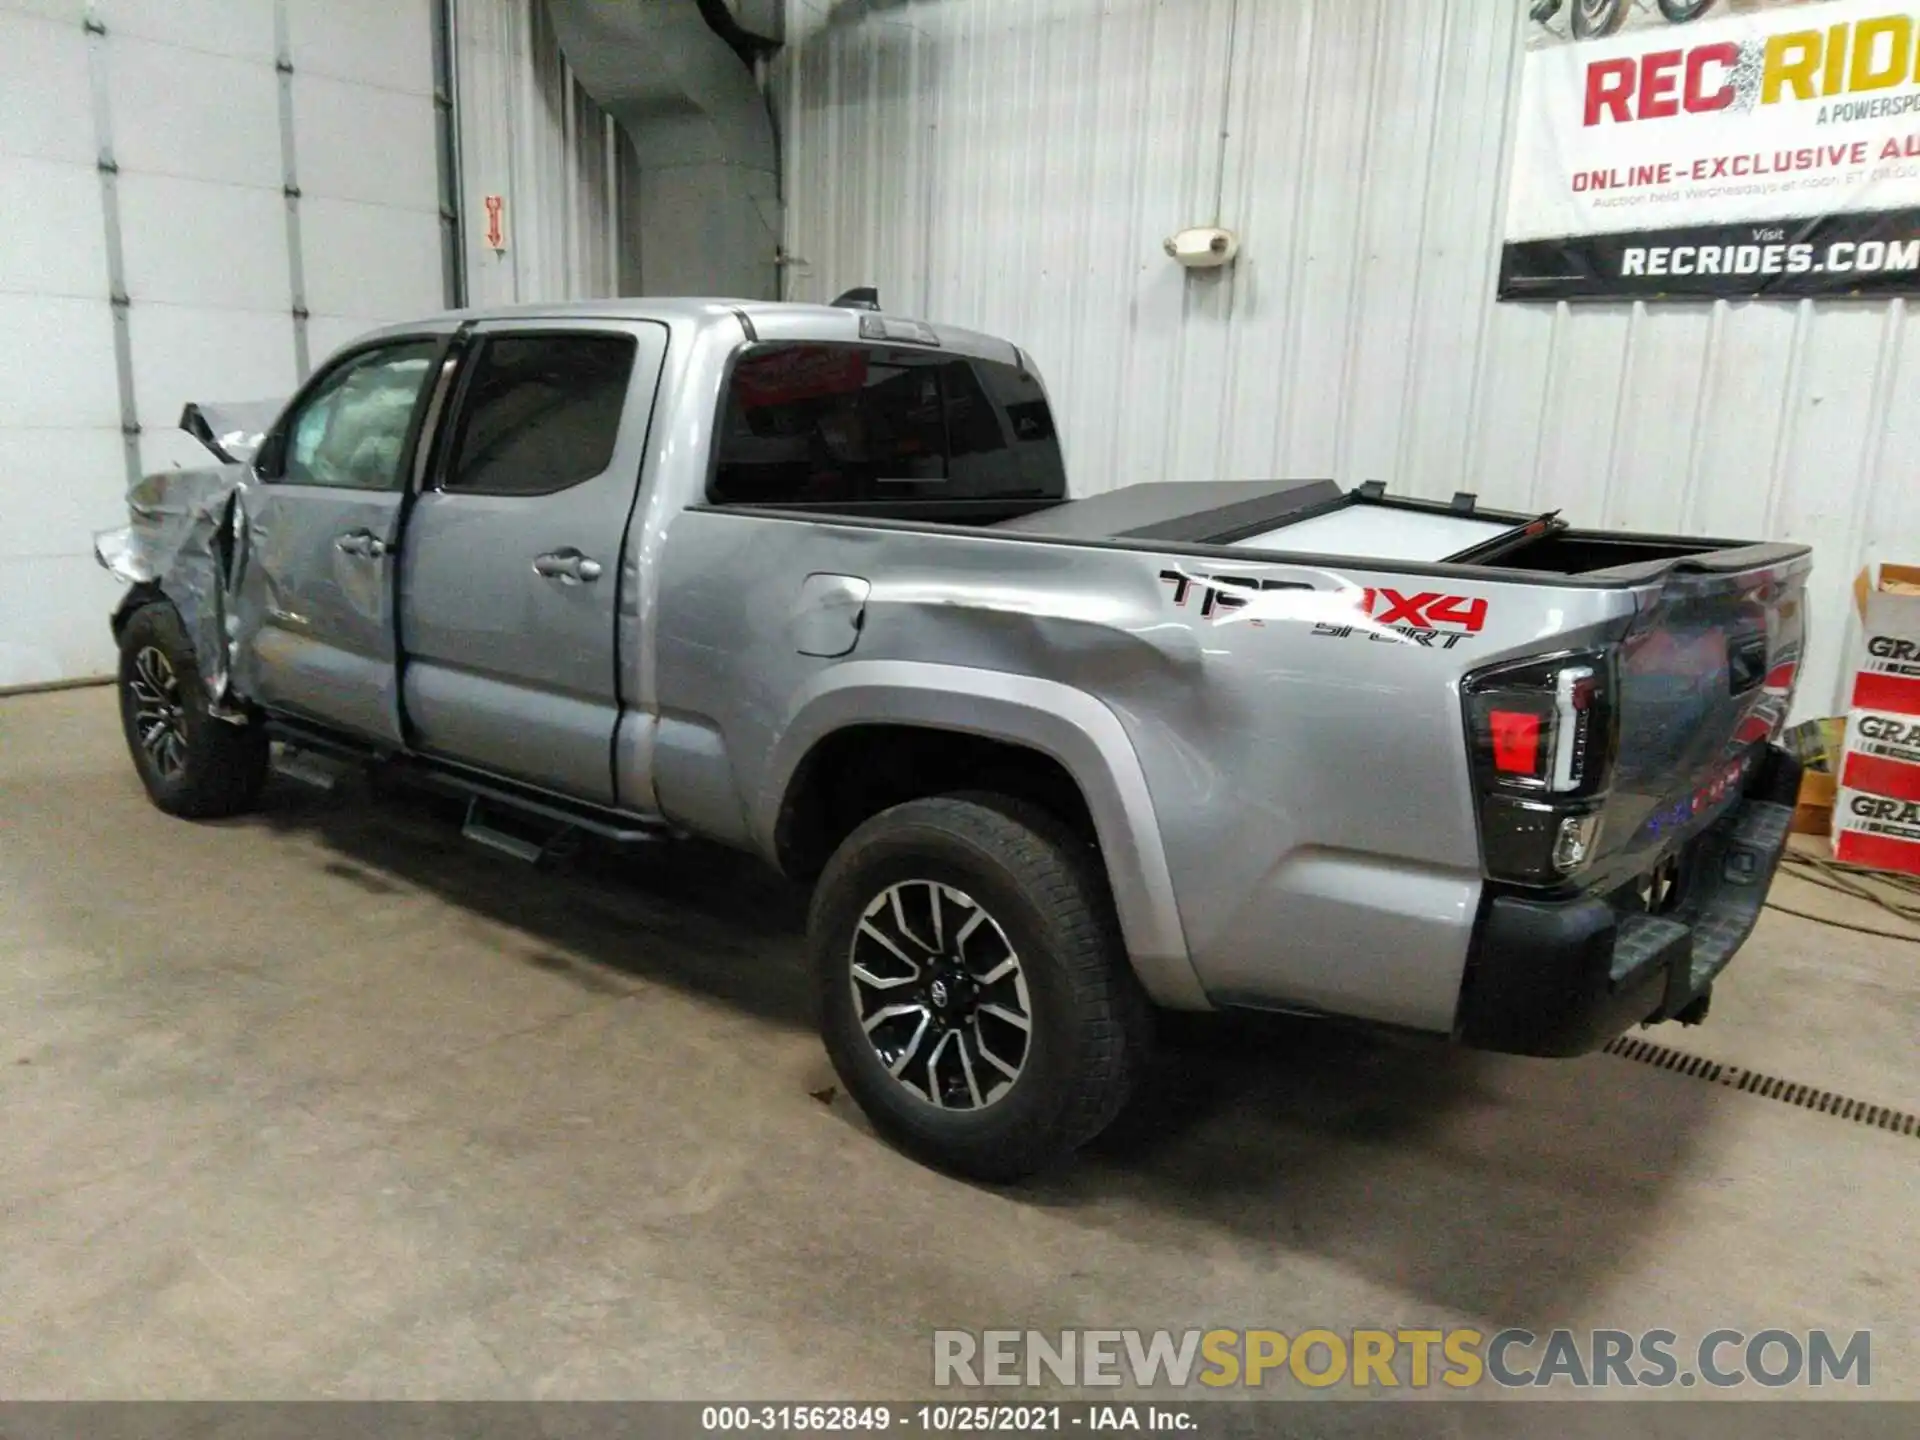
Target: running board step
[480,829]
[309,767]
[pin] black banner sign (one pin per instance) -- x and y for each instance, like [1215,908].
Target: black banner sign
[1858,254]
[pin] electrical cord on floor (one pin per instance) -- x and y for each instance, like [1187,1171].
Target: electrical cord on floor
[1859,885]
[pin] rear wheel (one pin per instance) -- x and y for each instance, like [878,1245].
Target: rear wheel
[975,998]
[1681,11]
[192,763]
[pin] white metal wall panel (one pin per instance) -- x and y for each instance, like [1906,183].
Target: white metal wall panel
[196,116]
[219,27]
[48,111]
[94,497]
[341,234]
[374,42]
[194,105]
[365,121]
[1015,164]
[225,245]
[63,250]
[58,400]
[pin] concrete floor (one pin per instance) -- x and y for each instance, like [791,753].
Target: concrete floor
[324,1103]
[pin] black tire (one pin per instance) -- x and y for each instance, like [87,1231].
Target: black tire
[1596,19]
[192,764]
[1043,895]
[1682,11]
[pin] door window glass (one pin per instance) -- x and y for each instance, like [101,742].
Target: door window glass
[351,433]
[829,424]
[542,412]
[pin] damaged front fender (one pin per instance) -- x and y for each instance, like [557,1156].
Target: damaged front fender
[186,540]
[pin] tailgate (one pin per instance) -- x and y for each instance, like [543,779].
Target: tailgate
[1707,675]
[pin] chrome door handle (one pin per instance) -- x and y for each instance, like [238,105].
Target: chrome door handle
[566,565]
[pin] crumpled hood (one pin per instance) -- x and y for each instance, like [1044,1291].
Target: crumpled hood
[167,510]
[233,432]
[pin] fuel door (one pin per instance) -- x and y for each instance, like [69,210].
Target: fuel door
[829,613]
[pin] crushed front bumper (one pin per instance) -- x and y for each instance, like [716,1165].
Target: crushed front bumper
[1562,977]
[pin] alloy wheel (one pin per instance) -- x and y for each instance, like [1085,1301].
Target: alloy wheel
[941,995]
[159,717]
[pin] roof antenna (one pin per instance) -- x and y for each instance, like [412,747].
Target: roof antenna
[865,298]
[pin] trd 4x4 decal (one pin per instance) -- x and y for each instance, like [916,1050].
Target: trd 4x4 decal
[1428,610]
[1221,595]
[1427,617]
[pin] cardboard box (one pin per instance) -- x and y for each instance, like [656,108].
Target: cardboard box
[1886,669]
[1882,754]
[1876,819]
[1877,831]
[1813,815]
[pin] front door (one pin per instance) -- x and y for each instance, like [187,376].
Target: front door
[510,584]
[324,527]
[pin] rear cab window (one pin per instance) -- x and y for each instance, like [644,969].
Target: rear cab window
[874,426]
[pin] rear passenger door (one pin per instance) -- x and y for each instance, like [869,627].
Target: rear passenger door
[511,576]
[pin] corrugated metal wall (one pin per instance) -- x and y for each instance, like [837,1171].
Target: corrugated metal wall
[1015,164]
[530,134]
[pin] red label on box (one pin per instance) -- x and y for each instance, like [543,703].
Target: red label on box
[1873,690]
[1878,852]
[1879,776]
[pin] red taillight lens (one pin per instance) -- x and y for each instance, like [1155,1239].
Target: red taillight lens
[1543,735]
[1516,741]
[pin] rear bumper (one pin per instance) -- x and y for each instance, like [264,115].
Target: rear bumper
[1562,977]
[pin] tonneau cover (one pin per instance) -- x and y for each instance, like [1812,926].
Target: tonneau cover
[1194,512]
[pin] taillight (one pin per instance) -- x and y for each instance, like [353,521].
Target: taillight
[1543,737]
[1516,741]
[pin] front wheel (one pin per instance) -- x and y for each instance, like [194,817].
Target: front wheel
[975,997]
[1681,11]
[192,763]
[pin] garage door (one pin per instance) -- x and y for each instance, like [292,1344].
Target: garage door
[154,254]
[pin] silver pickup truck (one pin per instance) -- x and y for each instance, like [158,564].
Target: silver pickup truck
[807,580]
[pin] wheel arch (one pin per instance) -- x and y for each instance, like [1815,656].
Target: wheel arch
[1046,734]
[138,597]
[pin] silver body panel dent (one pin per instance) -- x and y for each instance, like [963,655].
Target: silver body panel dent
[315,624]
[1286,816]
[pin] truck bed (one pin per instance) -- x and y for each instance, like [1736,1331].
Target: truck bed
[1317,519]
